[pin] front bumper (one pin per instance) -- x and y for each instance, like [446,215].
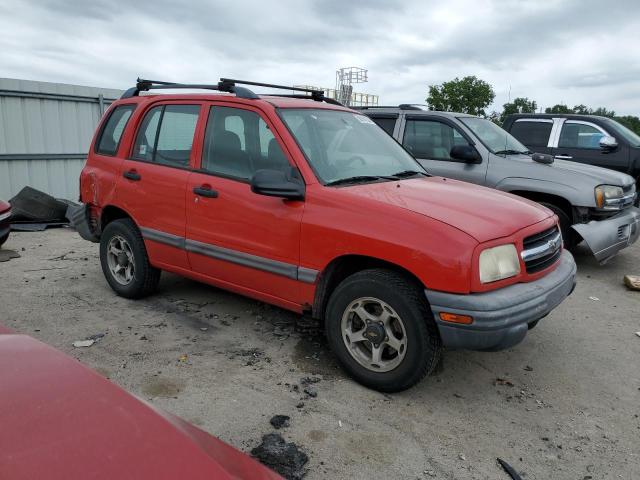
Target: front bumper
[607,237]
[501,317]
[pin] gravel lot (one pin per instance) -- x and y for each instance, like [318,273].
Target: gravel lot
[564,404]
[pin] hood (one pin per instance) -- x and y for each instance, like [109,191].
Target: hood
[594,175]
[481,212]
[67,421]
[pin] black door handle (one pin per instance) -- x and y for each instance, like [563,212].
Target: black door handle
[205,192]
[132,175]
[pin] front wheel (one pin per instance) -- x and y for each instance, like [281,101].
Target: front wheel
[382,331]
[125,262]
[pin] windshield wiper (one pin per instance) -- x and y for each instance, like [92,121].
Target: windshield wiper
[357,179]
[512,152]
[409,173]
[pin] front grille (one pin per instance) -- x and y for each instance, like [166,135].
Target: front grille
[541,250]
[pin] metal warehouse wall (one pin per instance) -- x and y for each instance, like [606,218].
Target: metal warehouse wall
[45,131]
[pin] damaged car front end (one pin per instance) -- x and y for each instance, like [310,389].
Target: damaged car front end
[613,224]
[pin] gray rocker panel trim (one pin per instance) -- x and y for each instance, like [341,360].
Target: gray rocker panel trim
[302,274]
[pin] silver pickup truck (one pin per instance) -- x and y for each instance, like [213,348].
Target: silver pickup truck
[593,204]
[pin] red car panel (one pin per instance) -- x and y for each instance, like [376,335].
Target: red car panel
[61,420]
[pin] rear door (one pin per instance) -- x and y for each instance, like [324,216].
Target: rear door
[153,180]
[534,133]
[235,236]
[430,140]
[385,121]
[578,141]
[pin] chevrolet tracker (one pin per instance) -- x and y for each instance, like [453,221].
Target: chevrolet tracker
[299,202]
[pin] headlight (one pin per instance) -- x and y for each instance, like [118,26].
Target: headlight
[608,197]
[498,263]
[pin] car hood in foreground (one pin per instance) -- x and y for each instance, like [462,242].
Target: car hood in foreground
[60,420]
[481,212]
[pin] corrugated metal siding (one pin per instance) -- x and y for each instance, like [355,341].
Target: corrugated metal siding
[49,126]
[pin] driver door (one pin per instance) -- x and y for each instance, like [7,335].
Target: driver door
[430,140]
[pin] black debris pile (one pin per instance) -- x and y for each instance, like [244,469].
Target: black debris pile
[285,458]
[280,421]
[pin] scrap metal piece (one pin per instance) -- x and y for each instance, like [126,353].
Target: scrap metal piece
[509,469]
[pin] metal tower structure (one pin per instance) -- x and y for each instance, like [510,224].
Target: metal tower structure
[345,78]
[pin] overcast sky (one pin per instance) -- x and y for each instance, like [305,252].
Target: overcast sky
[569,51]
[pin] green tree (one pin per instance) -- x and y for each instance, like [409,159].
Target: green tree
[559,108]
[467,95]
[603,112]
[582,109]
[519,105]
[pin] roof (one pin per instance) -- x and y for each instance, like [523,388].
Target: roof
[409,109]
[276,101]
[574,116]
[61,420]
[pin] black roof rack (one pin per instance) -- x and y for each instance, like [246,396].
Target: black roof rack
[229,85]
[402,106]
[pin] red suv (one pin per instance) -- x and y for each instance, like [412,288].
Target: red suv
[297,201]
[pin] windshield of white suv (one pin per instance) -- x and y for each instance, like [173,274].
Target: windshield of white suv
[345,147]
[493,137]
[619,129]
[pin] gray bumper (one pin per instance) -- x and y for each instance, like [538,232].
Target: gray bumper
[501,317]
[78,216]
[607,237]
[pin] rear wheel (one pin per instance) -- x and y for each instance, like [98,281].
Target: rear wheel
[569,236]
[381,329]
[125,262]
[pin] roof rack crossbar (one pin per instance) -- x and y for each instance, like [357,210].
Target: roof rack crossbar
[226,85]
[324,99]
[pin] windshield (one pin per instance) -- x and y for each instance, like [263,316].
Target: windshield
[493,137]
[344,145]
[619,129]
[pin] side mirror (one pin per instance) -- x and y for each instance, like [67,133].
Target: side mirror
[542,158]
[608,143]
[276,183]
[465,154]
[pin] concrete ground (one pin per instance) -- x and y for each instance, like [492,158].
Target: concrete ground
[564,404]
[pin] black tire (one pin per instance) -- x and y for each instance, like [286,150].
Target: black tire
[423,343]
[569,236]
[145,276]
[3,239]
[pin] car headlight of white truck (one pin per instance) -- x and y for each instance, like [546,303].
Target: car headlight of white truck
[498,263]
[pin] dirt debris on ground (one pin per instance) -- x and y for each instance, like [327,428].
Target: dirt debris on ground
[580,393]
[284,457]
[280,421]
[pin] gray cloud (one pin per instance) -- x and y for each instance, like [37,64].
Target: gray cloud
[577,52]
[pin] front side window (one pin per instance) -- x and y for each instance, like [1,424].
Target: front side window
[619,129]
[579,135]
[113,129]
[166,135]
[431,139]
[238,143]
[532,134]
[342,145]
[496,139]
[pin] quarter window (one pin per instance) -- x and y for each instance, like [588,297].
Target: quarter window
[112,131]
[579,135]
[386,123]
[239,142]
[166,135]
[532,134]
[431,139]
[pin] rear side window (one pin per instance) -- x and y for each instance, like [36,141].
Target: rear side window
[239,142]
[532,134]
[579,135]
[386,123]
[166,135]
[112,131]
[431,139]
